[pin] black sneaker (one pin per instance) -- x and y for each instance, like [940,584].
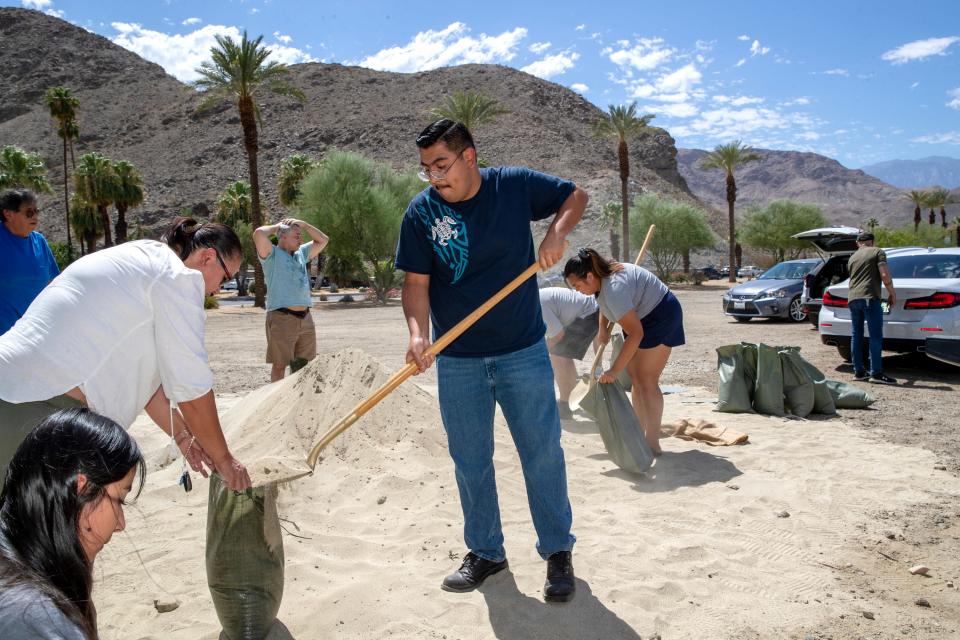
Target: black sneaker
[560,584]
[882,379]
[861,375]
[471,573]
[564,409]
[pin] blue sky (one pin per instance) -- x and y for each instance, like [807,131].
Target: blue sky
[858,81]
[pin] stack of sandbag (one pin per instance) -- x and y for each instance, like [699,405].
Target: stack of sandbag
[759,378]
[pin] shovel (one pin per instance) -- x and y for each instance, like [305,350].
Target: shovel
[586,384]
[411,368]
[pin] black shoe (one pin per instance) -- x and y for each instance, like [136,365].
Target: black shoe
[861,375]
[882,379]
[471,573]
[564,409]
[559,586]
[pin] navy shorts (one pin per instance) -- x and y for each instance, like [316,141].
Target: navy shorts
[663,325]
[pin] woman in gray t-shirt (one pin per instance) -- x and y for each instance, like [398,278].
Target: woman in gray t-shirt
[652,322]
[62,501]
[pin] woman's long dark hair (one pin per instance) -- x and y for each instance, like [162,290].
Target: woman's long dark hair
[589,261]
[40,506]
[186,235]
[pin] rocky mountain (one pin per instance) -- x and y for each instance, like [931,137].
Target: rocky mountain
[131,109]
[847,196]
[917,174]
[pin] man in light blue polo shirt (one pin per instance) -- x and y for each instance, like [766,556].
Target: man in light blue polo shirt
[26,261]
[290,329]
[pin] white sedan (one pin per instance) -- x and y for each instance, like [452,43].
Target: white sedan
[926,316]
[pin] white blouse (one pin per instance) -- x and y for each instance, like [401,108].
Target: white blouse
[118,324]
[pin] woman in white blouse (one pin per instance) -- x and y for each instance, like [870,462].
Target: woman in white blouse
[652,322]
[122,330]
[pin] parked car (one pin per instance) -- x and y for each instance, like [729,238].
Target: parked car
[775,294]
[749,271]
[927,283]
[229,285]
[710,273]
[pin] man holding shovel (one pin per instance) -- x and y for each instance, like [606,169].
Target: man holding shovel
[461,240]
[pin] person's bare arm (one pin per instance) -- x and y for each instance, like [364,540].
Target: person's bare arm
[158,408]
[888,283]
[415,298]
[568,215]
[634,330]
[261,239]
[201,415]
[318,237]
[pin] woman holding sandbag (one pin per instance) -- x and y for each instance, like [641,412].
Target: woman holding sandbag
[652,322]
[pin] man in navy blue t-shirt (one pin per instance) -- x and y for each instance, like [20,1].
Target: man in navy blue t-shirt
[462,240]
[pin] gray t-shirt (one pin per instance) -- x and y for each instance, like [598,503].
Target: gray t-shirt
[562,306]
[632,287]
[26,613]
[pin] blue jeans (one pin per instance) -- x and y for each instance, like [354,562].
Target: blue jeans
[522,384]
[870,310]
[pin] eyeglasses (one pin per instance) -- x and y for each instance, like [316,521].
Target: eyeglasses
[227,276]
[426,174]
[30,213]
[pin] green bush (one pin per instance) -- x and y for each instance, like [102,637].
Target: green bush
[211,302]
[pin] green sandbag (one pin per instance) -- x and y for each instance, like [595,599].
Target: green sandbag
[244,559]
[735,388]
[619,428]
[616,344]
[847,396]
[768,387]
[798,391]
[822,398]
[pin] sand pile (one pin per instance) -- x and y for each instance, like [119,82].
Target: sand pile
[273,429]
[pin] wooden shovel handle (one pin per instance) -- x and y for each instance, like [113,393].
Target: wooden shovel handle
[410,368]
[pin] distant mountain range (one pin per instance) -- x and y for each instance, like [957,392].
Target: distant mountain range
[917,174]
[846,196]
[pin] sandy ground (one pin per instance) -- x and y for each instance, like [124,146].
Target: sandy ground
[700,547]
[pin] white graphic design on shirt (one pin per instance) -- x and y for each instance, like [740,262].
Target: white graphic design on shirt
[442,230]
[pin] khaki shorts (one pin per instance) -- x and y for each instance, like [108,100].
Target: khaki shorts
[290,337]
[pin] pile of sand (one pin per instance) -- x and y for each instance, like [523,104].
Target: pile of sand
[273,429]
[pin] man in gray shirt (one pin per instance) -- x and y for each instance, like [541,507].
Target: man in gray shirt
[868,268]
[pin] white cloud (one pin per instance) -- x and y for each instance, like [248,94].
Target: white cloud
[539,47]
[743,38]
[646,54]
[580,27]
[836,72]
[803,100]
[181,54]
[809,135]
[680,81]
[282,38]
[727,123]
[254,11]
[950,137]
[431,49]
[579,87]
[914,85]
[705,45]
[757,50]
[741,62]
[552,65]
[955,94]
[39,5]
[191,21]
[677,110]
[919,49]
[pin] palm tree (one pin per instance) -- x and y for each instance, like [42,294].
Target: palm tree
[95,182]
[86,222]
[930,200]
[19,169]
[918,198]
[63,109]
[872,224]
[728,157]
[472,108]
[292,172]
[940,197]
[956,221]
[234,209]
[128,192]
[622,124]
[610,219]
[235,73]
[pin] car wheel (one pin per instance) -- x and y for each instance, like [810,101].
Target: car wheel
[742,318]
[797,314]
[845,353]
